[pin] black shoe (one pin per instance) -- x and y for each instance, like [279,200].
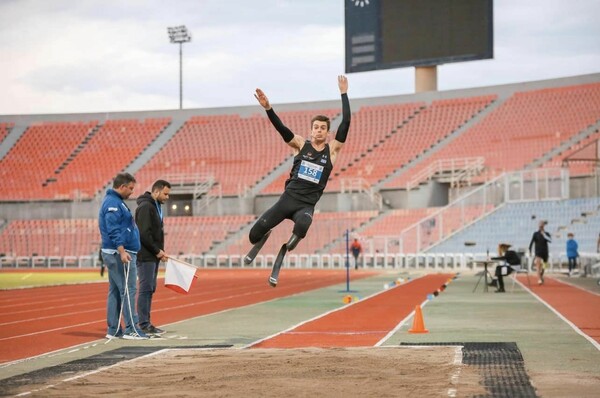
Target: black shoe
[151,329]
[500,291]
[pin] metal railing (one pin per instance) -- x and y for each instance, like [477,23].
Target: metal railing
[454,171]
[589,263]
[360,185]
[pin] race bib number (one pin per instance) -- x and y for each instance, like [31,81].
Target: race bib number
[310,172]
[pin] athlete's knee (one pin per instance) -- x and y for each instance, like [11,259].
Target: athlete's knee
[302,224]
[258,231]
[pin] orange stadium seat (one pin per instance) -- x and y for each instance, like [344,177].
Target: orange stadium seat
[370,127]
[49,145]
[236,152]
[525,127]
[326,228]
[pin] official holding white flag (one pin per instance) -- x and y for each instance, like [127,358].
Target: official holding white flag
[149,219]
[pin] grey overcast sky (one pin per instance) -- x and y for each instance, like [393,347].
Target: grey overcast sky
[68,56]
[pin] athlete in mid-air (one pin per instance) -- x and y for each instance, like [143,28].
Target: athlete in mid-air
[313,162]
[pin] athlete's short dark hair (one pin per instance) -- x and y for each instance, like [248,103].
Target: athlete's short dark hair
[321,118]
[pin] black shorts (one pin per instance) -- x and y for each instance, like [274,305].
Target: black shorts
[288,207]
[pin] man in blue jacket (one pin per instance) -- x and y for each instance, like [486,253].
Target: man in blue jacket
[572,252]
[120,244]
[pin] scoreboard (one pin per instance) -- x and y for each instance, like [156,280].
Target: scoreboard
[386,34]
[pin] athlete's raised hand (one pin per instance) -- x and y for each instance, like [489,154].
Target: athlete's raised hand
[262,99]
[343,84]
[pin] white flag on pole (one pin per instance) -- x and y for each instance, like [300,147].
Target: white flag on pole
[179,275]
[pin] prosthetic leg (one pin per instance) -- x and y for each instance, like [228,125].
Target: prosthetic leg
[289,246]
[256,248]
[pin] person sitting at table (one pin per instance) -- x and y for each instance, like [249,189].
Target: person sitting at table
[509,258]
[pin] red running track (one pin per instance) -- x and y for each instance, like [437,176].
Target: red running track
[364,323]
[39,320]
[572,302]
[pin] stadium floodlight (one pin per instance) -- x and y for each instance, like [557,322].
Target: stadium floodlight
[180,34]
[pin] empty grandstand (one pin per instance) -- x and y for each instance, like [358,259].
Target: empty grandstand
[420,173]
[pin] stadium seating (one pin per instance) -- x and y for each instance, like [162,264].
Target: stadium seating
[326,228]
[73,160]
[35,157]
[53,237]
[584,149]
[525,127]
[236,152]
[196,235]
[80,237]
[5,129]
[370,127]
[514,223]
[114,146]
[423,132]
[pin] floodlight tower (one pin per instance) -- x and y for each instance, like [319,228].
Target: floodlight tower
[180,34]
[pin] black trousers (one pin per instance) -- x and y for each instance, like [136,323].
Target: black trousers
[287,207]
[147,272]
[499,275]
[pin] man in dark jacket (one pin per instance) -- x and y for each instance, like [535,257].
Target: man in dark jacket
[149,219]
[540,239]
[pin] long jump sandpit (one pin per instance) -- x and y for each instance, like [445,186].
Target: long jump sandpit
[405,371]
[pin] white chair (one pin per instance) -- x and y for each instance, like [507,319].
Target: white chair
[519,269]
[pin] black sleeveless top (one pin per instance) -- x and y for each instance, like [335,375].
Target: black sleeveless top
[309,174]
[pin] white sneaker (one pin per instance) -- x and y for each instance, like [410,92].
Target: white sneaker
[136,335]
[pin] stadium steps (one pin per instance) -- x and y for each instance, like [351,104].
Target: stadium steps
[341,168]
[514,223]
[427,153]
[231,238]
[73,154]
[10,140]
[282,168]
[564,146]
[329,246]
[152,149]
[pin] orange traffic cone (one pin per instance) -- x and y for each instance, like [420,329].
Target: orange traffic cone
[418,324]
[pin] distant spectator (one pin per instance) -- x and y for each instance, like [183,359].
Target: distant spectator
[540,238]
[572,252]
[510,258]
[356,249]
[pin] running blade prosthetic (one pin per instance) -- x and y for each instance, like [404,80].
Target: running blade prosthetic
[277,266]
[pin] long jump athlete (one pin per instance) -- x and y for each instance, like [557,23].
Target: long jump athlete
[313,162]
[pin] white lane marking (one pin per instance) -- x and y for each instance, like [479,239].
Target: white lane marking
[568,322]
[325,314]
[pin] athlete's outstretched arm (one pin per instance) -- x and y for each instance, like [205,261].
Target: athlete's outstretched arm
[285,132]
[342,131]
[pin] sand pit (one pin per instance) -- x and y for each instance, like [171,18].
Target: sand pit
[311,372]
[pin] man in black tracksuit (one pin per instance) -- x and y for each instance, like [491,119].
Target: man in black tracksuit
[313,162]
[149,219]
[540,239]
